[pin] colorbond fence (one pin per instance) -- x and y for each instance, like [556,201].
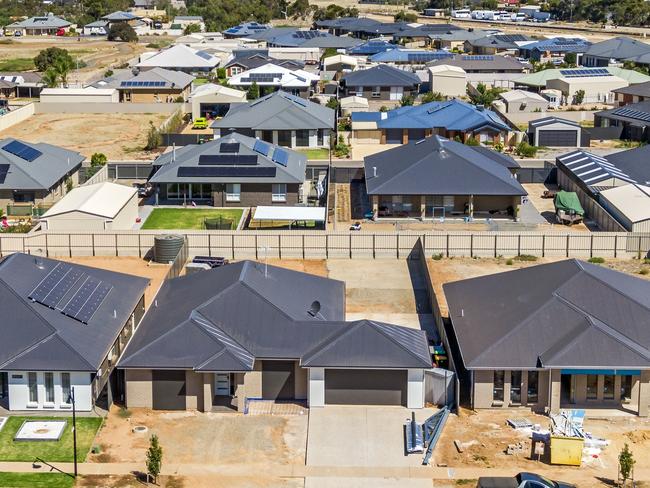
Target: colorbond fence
[326,244]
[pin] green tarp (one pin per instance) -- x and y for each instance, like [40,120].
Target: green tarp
[568,201]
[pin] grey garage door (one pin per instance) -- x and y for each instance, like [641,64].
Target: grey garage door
[393,136]
[416,134]
[278,381]
[365,387]
[168,390]
[554,138]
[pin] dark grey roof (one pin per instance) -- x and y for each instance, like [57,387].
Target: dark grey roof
[44,22]
[501,158]
[638,89]
[42,173]
[255,59]
[618,48]
[323,40]
[635,113]
[500,41]
[174,162]
[36,337]
[223,319]
[437,166]
[381,75]
[551,120]
[568,314]
[277,111]
[483,62]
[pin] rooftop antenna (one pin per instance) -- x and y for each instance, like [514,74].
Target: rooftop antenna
[374,171]
[37,259]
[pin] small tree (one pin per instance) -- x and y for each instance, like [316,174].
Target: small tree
[626,463]
[48,58]
[68,185]
[191,29]
[404,16]
[51,78]
[253,92]
[154,138]
[154,459]
[407,100]
[332,103]
[122,32]
[98,160]
[433,97]
[571,59]
[579,97]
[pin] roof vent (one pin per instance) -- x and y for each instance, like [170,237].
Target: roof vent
[314,309]
[374,171]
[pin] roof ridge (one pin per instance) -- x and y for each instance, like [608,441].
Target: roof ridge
[331,340]
[196,316]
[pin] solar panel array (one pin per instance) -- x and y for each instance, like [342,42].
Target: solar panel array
[262,77]
[71,291]
[226,171]
[430,56]
[4,169]
[229,147]
[582,72]
[632,114]
[310,34]
[227,160]
[261,147]
[478,57]
[141,84]
[23,151]
[280,156]
[511,37]
[592,169]
[204,55]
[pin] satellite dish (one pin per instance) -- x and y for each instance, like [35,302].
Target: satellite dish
[314,309]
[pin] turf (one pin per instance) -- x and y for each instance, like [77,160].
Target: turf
[36,480]
[319,153]
[188,218]
[17,64]
[51,451]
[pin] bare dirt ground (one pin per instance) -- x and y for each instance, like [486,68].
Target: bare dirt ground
[316,267]
[215,481]
[546,207]
[129,265]
[119,136]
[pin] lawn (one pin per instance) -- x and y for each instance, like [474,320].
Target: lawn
[17,64]
[189,218]
[319,153]
[36,480]
[52,451]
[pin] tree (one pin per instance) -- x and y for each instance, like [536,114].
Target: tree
[299,9]
[98,159]
[484,95]
[407,100]
[47,58]
[404,16]
[253,92]
[63,66]
[154,458]
[51,78]
[571,59]
[332,103]
[154,138]
[579,97]
[626,463]
[191,29]
[433,97]
[123,32]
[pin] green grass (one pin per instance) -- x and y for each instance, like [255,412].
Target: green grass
[200,81]
[51,451]
[35,480]
[17,64]
[319,153]
[188,218]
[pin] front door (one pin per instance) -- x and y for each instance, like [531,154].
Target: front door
[222,384]
[396,92]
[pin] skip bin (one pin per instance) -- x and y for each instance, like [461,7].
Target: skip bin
[566,450]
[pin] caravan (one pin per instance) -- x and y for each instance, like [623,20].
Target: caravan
[463,13]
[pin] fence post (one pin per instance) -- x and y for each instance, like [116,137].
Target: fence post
[139,244]
[47,246]
[70,245]
[374,256]
[471,245]
[398,245]
[0,246]
[303,246]
[327,246]
[567,245]
[350,244]
[255,246]
[591,246]
[280,246]
[116,253]
[495,245]
[543,244]
[93,242]
[447,245]
[232,245]
[639,250]
[424,245]
[519,245]
[615,245]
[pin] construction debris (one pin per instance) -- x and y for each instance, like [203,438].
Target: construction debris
[518,448]
[519,423]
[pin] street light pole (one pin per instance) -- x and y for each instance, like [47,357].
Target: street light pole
[74,429]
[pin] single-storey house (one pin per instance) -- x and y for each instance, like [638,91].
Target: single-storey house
[181,22]
[639,92]
[450,81]
[231,171]
[63,326]
[436,177]
[96,28]
[35,174]
[371,47]
[121,17]
[47,25]
[489,69]
[180,57]
[340,62]
[382,82]
[629,205]
[555,132]
[101,206]
[212,101]
[244,30]
[271,77]
[248,59]
[537,337]
[23,84]
[523,101]
[554,49]
[497,44]
[280,118]
[614,51]
[401,56]
[451,119]
[440,36]
[353,104]
[594,84]
[248,331]
[633,119]
[312,38]
[154,85]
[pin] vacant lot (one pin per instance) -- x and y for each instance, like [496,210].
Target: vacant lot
[119,136]
[189,218]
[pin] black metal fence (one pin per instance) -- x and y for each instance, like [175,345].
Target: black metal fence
[169,139]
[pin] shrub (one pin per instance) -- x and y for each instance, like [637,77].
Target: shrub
[122,32]
[596,260]
[498,147]
[525,150]
[98,159]
[154,138]
[510,262]
[526,257]
[407,100]
[644,271]
[626,463]
[383,108]
[472,141]
[108,73]
[437,257]
[50,57]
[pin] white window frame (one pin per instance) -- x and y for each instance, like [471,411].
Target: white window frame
[32,401]
[233,192]
[358,91]
[279,192]
[376,92]
[65,395]
[49,389]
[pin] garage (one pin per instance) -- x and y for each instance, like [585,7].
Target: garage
[393,136]
[365,387]
[555,138]
[554,132]
[278,380]
[168,390]
[416,134]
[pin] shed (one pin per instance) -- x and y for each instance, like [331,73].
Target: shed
[354,104]
[630,205]
[102,206]
[80,95]
[340,62]
[450,81]
[554,132]
[211,99]
[523,101]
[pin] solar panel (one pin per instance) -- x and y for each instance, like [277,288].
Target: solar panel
[632,114]
[22,150]
[40,292]
[64,285]
[226,171]
[261,147]
[204,55]
[229,147]
[280,156]
[94,301]
[478,57]
[4,169]
[87,299]
[581,72]
[227,160]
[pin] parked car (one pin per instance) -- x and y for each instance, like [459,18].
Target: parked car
[522,480]
[17,33]
[157,25]
[200,123]
[60,32]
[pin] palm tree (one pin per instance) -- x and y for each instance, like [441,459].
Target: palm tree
[63,67]
[51,78]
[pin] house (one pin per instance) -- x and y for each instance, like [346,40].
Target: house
[87,94]
[212,101]
[96,28]
[495,70]
[400,56]
[450,81]
[150,86]
[615,51]
[244,30]
[356,26]
[280,118]
[64,326]
[436,177]
[313,38]
[35,173]
[197,350]
[629,205]
[48,25]
[23,84]
[534,346]
[539,80]
[373,46]
[232,171]
[382,82]
[182,22]
[636,93]
[497,44]
[555,132]
[633,119]
[451,119]
[440,36]
[523,101]
[101,206]
[121,17]
[247,59]
[179,57]
[271,77]
[339,63]
[554,49]
[595,84]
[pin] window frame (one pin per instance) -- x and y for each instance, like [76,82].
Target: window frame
[48,383]
[277,195]
[32,386]
[498,392]
[594,395]
[532,397]
[66,391]
[233,196]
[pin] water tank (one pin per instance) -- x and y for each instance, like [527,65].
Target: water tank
[166,247]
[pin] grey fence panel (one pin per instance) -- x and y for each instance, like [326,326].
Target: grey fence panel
[440,388]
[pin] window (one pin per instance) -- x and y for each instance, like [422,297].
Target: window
[302,138]
[592,386]
[608,387]
[320,137]
[33,387]
[178,191]
[515,387]
[376,92]
[284,138]
[65,387]
[3,384]
[49,387]
[235,70]
[233,192]
[201,191]
[279,191]
[267,135]
[533,386]
[497,389]
[359,91]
